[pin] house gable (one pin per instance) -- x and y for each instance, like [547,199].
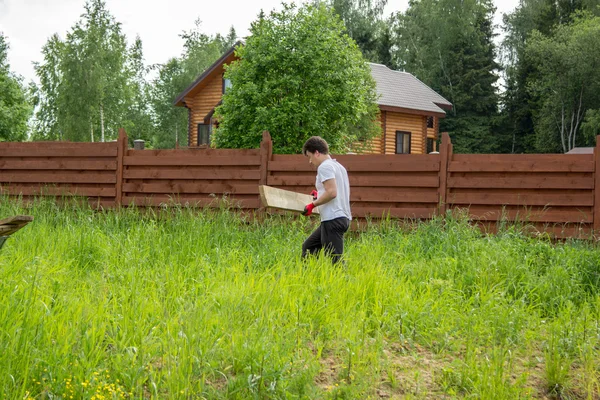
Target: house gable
[406,105]
[216,69]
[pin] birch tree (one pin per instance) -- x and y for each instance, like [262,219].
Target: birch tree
[567,81]
[520,103]
[85,85]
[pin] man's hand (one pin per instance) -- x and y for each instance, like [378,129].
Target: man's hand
[314,194]
[308,209]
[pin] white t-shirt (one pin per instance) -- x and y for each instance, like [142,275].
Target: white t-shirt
[340,206]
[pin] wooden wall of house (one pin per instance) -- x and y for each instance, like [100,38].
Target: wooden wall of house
[203,103]
[414,124]
[373,146]
[432,133]
[395,121]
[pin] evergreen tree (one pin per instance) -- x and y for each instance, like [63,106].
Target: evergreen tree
[365,24]
[448,44]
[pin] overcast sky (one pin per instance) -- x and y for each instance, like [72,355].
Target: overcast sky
[29,23]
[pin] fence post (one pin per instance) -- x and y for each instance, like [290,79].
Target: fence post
[122,145]
[266,152]
[596,217]
[445,158]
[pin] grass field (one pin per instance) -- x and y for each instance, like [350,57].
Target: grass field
[183,304]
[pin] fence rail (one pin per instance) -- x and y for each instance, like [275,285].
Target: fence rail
[555,193]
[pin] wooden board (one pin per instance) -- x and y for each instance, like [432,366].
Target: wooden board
[284,199]
[8,226]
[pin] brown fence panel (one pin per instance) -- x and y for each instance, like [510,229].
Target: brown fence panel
[551,193]
[198,177]
[554,193]
[59,169]
[380,185]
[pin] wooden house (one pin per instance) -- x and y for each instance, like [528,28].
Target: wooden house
[409,117]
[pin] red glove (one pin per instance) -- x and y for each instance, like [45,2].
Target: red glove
[314,194]
[308,209]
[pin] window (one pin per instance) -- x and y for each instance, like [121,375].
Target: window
[226,85]
[430,143]
[204,134]
[402,142]
[429,122]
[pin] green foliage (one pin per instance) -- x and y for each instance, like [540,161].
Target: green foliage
[170,121]
[519,103]
[298,75]
[137,120]
[15,108]
[591,126]
[365,24]
[448,44]
[567,82]
[200,52]
[91,83]
[47,94]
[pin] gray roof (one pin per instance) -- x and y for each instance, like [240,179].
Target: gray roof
[401,89]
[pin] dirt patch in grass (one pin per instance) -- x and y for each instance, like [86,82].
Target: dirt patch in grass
[533,365]
[330,370]
[411,370]
[217,381]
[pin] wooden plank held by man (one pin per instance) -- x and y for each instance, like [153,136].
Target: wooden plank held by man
[8,226]
[284,199]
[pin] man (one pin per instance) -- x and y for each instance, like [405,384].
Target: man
[332,198]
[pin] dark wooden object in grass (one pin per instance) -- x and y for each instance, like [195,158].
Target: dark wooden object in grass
[8,226]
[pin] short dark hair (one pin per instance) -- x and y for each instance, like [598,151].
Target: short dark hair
[315,143]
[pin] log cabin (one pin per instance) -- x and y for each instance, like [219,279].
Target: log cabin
[409,109]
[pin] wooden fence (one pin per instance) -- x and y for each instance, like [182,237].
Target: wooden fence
[60,169]
[556,193]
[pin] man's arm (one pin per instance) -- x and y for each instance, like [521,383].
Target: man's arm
[330,193]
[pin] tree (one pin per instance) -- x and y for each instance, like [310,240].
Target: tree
[200,52]
[448,44]
[298,75]
[170,122]
[95,77]
[568,80]
[46,126]
[519,104]
[15,108]
[138,119]
[591,126]
[365,24]
[87,80]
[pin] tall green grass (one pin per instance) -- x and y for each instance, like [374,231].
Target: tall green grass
[180,303]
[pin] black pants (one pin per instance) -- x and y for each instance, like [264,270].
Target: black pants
[329,236]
